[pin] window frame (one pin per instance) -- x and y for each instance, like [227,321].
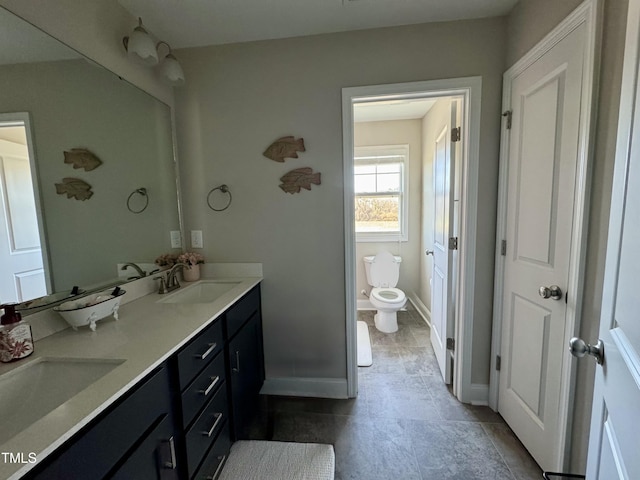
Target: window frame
[373,151]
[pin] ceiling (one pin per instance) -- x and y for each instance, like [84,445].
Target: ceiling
[392,110]
[192,23]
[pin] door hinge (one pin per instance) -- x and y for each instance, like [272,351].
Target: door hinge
[503,248]
[453,243]
[451,344]
[455,134]
[508,114]
[498,362]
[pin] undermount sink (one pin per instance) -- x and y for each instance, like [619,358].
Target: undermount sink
[32,391]
[205,291]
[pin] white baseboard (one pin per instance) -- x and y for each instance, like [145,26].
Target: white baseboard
[306,387]
[363,304]
[479,394]
[421,308]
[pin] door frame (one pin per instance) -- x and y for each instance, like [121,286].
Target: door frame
[588,13]
[470,89]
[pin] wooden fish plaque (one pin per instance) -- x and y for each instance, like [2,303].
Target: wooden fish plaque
[82,158]
[299,178]
[284,147]
[74,188]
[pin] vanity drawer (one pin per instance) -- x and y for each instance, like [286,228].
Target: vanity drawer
[216,457]
[237,315]
[202,389]
[205,428]
[199,352]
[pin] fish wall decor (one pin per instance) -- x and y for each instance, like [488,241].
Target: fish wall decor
[299,178]
[82,158]
[284,147]
[74,188]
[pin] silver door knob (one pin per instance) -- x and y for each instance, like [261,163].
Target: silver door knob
[579,348]
[553,291]
[428,252]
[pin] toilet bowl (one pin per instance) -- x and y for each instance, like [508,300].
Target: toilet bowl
[383,271]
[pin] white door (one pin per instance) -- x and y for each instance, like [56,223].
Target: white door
[22,274]
[614,448]
[442,324]
[542,158]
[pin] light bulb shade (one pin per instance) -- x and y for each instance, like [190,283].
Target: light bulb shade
[141,48]
[171,71]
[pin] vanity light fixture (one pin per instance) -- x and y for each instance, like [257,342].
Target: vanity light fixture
[170,68]
[140,47]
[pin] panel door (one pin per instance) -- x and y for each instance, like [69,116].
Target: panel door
[442,325]
[543,150]
[22,275]
[615,421]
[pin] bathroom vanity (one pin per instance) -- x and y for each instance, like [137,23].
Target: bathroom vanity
[182,384]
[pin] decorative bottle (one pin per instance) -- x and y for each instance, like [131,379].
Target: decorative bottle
[16,340]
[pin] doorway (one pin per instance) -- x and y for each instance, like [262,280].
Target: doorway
[21,235]
[460,321]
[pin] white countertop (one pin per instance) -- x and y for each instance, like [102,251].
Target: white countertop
[146,334]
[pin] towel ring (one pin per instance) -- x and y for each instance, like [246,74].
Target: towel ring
[140,191]
[224,189]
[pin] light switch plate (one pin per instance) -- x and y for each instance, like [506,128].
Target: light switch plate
[196,239]
[176,239]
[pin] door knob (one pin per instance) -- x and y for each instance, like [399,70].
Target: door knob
[579,348]
[553,291]
[428,252]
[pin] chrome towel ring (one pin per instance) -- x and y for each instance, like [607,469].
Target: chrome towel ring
[139,191]
[224,189]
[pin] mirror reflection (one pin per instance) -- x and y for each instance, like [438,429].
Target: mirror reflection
[82,231]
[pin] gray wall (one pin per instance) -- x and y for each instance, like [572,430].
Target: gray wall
[398,132]
[241,97]
[529,22]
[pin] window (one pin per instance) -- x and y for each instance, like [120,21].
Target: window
[381,193]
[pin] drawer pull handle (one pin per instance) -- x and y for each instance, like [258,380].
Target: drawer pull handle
[215,424]
[212,347]
[169,464]
[237,367]
[214,382]
[215,475]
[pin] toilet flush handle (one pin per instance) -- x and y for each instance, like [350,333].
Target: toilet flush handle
[428,252]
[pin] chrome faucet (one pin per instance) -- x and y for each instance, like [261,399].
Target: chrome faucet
[141,273]
[171,282]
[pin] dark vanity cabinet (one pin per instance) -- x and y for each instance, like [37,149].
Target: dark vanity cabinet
[180,421]
[244,350]
[135,438]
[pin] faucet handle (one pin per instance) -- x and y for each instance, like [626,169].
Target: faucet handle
[163,284]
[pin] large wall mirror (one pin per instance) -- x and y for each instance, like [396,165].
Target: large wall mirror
[53,100]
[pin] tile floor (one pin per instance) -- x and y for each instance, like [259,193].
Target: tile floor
[405,423]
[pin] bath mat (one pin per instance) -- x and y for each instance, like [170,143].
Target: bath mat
[364,345]
[265,460]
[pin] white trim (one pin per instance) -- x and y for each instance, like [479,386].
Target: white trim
[305,387]
[589,14]
[421,308]
[470,88]
[479,394]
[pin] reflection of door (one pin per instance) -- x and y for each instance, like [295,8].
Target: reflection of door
[22,274]
[442,325]
[542,159]
[615,420]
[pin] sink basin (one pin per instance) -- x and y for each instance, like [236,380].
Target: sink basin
[30,392]
[205,291]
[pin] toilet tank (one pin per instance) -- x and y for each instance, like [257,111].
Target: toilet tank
[380,277]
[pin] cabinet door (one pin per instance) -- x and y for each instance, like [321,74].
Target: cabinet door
[154,458]
[246,373]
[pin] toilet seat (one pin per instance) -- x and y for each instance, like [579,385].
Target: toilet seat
[388,296]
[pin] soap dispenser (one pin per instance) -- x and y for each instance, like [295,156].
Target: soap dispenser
[16,341]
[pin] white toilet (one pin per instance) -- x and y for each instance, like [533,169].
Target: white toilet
[383,271]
